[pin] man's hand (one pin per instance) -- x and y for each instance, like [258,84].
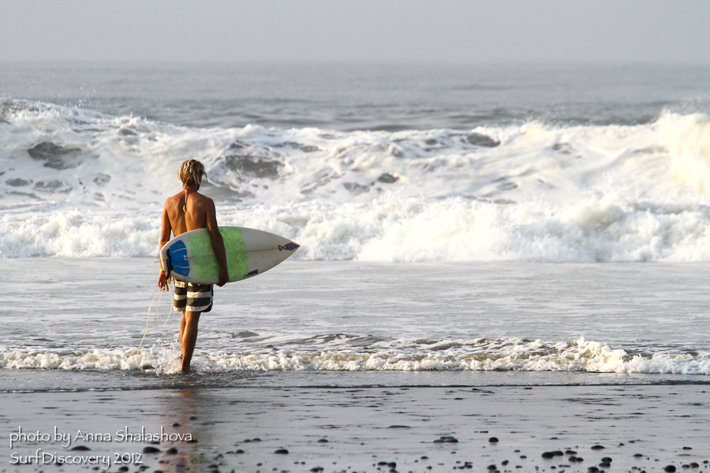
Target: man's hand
[163,280]
[223,277]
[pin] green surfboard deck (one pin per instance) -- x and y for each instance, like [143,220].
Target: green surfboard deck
[205,264]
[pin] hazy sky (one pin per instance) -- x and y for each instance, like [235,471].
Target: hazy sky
[468,31]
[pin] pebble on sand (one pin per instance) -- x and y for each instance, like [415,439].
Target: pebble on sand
[446,439]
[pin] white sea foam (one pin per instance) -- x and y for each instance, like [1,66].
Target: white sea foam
[476,355]
[75,184]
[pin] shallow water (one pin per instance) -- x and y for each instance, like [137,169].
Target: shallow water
[628,319]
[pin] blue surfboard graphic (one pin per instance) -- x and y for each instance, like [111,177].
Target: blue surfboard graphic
[178,257]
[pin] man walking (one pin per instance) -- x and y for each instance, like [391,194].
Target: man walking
[186,211]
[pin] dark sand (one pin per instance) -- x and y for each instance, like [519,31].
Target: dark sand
[358,428]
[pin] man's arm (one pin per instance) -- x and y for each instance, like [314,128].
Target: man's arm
[165,230]
[164,238]
[217,243]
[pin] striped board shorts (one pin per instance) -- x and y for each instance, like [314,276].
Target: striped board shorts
[192,297]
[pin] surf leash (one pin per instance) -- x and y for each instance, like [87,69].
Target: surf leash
[155,319]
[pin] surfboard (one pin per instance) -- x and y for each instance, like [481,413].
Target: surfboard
[190,257]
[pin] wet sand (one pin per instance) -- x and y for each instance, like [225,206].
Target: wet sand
[341,427]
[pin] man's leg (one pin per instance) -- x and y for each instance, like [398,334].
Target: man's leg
[188,337]
[179,303]
[181,333]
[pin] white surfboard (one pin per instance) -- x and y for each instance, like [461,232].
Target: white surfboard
[190,257]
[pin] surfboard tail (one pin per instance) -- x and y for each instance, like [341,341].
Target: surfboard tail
[166,263]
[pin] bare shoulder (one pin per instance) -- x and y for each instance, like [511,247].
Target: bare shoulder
[205,201]
[173,200]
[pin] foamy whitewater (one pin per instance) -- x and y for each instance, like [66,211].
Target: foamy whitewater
[576,355]
[78,184]
[495,164]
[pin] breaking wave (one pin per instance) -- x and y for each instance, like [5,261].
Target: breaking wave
[75,183]
[475,355]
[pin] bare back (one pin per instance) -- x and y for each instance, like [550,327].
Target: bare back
[183,215]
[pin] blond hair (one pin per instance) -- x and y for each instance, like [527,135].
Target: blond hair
[191,172]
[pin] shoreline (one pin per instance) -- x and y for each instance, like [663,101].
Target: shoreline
[58,380]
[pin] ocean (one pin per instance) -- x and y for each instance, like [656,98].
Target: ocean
[448,167]
[530,225]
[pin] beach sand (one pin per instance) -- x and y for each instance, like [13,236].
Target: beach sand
[355,422]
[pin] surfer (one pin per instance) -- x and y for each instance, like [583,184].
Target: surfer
[186,211]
